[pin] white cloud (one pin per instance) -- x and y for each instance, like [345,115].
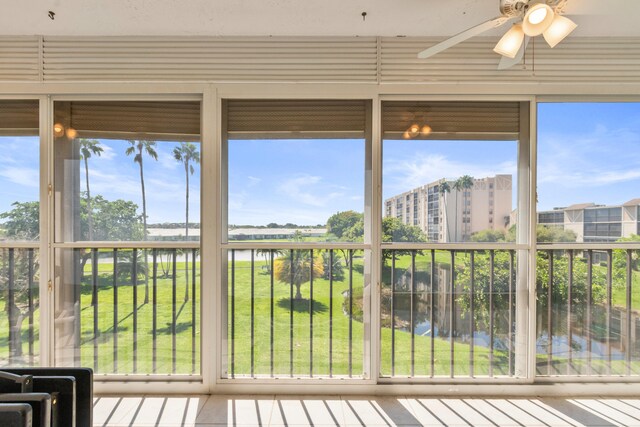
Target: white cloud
[110,183]
[402,175]
[253,181]
[167,161]
[107,152]
[27,177]
[305,189]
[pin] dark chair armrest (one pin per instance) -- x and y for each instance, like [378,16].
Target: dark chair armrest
[65,387]
[14,383]
[40,402]
[16,415]
[84,388]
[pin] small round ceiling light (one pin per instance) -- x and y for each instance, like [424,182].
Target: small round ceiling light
[538,18]
[58,130]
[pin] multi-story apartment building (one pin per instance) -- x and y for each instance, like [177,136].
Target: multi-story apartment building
[454,215]
[595,223]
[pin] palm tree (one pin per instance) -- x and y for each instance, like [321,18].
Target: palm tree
[187,154]
[445,188]
[466,182]
[266,253]
[457,185]
[296,269]
[87,148]
[138,148]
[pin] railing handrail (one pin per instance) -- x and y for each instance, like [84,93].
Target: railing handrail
[587,246]
[128,245]
[294,245]
[19,245]
[471,246]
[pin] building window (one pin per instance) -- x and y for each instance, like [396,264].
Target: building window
[584,185]
[127,171]
[296,169]
[407,165]
[20,257]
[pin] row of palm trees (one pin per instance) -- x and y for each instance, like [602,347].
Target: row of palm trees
[186,153]
[463,183]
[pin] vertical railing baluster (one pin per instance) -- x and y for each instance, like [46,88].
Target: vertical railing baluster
[11,306]
[627,348]
[94,295]
[471,312]
[291,271]
[30,302]
[174,289]
[432,309]
[549,314]
[252,321]
[330,313]
[491,310]
[452,315]
[589,319]
[350,312]
[608,302]
[511,311]
[193,310]
[233,313]
[134,282]
[154,312]
[115,311]
[77,306]
[311,315]
[569,310]
[393,312]
[271,311]
[411,314]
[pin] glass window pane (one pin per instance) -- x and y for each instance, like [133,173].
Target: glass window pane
[587,170]
[127,171]
[588,179]
[296,173]
[289,179]
[19,222]
[459,170]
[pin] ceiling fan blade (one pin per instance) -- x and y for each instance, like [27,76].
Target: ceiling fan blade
[467,34]
[507,62]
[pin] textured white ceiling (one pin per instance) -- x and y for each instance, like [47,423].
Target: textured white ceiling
[289,17]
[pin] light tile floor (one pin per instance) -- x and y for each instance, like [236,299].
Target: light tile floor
[282,411]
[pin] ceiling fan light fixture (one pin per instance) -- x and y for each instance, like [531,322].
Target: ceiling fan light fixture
[560,28]
[537,19]
[510,43]
[425,130]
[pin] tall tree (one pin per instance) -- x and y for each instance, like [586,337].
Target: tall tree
[457,186]
[89,147]
[187,154]
[445,188]
[138,148]
[342,225]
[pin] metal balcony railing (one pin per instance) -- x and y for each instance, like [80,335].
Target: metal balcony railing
[135,310]
[295,313]
[588,321]
[448,313]
[20,302]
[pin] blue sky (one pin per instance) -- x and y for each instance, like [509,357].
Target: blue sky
[112,175]
[587,153]
[298,181]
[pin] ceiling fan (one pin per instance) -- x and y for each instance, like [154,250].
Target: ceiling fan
[531,18]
